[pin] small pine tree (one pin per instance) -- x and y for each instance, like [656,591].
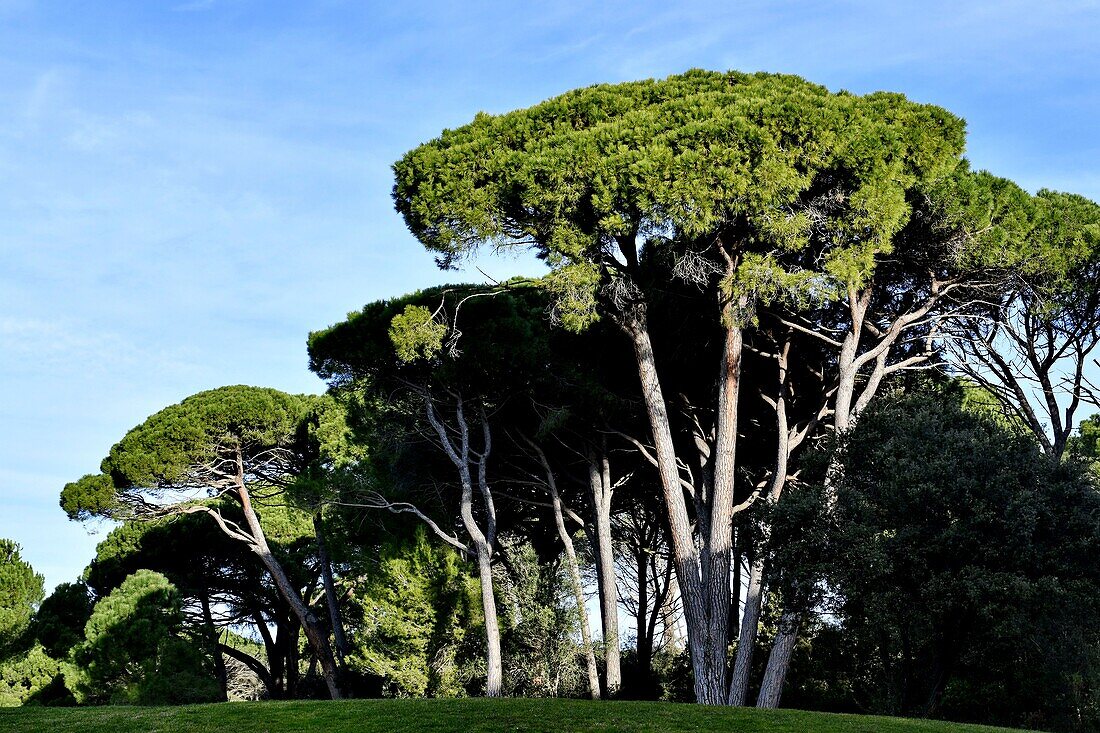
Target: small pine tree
[417,609]
[20,593]
[133,651]
[24,668]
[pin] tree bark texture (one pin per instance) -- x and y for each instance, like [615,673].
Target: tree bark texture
[746,641]
[703,572]
[771,688]
[601,490]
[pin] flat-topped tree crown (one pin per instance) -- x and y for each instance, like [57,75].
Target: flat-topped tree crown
[227,442]
[759,161]
[195,445]
[764,191]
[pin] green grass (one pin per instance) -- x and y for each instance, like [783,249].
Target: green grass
[460,716]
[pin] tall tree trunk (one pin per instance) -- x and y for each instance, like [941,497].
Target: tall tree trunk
[684,553]
[317,638]
[746,642]
[601,488]
[330,592]
[494,666]
[771,688]
[483,552]
[719,548]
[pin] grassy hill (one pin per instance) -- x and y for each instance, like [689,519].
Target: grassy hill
[460,716]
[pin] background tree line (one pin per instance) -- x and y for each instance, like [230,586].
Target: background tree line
[794,409]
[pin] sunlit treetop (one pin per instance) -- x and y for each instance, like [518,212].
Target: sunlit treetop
[765,162]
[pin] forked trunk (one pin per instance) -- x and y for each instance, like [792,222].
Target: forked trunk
[480,542]
[703,574]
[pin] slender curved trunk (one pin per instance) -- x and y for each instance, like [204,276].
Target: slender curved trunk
[481,542]
[573,569]
[317,638]
[261,672]
[578,594]
[483,552]
[684,553]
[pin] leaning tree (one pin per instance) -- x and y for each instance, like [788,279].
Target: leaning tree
[708,177]
[244,444]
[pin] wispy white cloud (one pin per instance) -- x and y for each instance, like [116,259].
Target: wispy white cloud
[34,345]
[44,95]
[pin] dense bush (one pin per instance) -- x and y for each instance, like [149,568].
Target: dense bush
[134,652]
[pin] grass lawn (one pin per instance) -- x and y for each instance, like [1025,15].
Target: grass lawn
[459,716]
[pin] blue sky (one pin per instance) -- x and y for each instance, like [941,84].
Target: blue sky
[187,188]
